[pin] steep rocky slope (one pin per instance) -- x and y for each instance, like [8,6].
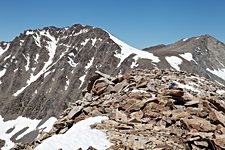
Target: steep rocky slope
[143,111]
[43,70]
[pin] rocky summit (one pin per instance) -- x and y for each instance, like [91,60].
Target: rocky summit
[147,109]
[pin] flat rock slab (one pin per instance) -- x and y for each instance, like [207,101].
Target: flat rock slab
[75,111]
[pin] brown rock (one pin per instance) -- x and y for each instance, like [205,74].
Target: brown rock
[136,116]
[44,136]
[95,113]
[119,116]
[63,130]
[177,115]
[191,103]
[105,75]
[123,127]
[220,141]
[218,104]
[195,147]
[110,89]
[119,86]
[142,83]
[174,92]
[135,95]
[151,88]
[88,110]
[59,125]
[221,128]
[201,143]
[73,113]
[128,103]
[199,124]
[218,117]
[99,91]
[136,106]
[80,118]
[91,148]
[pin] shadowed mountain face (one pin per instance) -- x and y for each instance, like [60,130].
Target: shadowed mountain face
[43,70]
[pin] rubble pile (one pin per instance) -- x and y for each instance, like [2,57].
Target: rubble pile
[146,112]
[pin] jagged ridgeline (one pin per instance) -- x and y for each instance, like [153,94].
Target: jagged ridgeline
[142,111]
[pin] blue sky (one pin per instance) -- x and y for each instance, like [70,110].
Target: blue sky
[140,23]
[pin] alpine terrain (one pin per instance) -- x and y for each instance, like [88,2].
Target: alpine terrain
[45,71]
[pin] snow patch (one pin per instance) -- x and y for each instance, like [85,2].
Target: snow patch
[27,63]
[37,40]
[7,57]
[219,72]
[94,41]
[29,32]
[127,50]
[71,54]
[67,83]
[19,124]
[80,135]
[185,39]
[36,58]
[89,64]
[220,91]
[81,31]
[85,42]
[4,50]
[2,72]
[47,126]
[72,63]
[51,47]
[187,56]
[21,42]
[82,79]
[174,61]
[134,63]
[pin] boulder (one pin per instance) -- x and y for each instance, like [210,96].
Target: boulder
[76,110]
[199,124]
[174,92]
[218,117]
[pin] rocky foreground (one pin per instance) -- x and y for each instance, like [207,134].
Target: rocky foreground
[146,112]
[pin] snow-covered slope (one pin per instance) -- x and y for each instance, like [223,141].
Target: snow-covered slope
[79,136]
[127,50]
[20,127]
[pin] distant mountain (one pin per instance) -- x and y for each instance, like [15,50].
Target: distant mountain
[203,55]
[43,71]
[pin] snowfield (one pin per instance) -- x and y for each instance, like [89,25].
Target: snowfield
[174,62]
[80,135]
[127,50]
[19,124]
